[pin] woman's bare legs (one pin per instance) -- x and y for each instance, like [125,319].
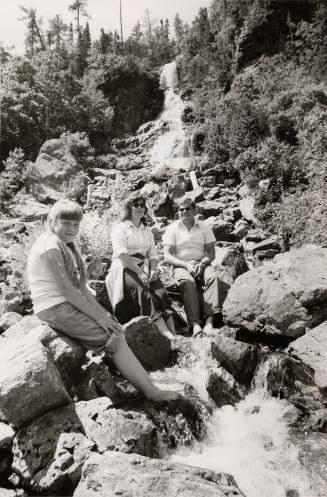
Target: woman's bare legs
[162,327]
[128,365]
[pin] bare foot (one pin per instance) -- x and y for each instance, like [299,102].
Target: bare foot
[197,330]
[168,334]
[207,330]
[161,395]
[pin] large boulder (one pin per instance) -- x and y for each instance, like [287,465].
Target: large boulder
[311,348]
[150,347]
[66,354]
[55,163]
[283,296]
[143,477]
[30,383]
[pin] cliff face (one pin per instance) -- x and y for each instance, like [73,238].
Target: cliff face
[136,98]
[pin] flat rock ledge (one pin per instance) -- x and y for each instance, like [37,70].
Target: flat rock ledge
[126,475]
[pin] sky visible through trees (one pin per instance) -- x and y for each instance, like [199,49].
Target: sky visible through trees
[103,14]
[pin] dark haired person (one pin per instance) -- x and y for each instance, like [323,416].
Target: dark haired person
[133,285]
[57,280]
[189,247]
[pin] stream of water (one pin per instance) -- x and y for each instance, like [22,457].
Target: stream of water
[251,440]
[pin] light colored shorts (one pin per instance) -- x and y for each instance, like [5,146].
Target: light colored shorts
[75,324]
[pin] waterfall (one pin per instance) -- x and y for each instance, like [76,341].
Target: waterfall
[250,440]
[173,149]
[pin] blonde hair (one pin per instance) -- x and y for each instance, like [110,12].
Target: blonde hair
[64,209]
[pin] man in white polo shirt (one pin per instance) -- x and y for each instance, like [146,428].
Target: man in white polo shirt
[189,247]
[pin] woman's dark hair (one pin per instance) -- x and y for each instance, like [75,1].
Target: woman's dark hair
[134,197]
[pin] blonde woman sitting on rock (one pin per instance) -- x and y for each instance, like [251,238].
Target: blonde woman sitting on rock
[133,285]
[57,280]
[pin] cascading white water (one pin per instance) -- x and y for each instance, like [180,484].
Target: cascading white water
[173,148]
[249,441]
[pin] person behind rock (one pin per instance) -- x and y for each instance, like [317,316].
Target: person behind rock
[57,280]
[189,247]
[133,285]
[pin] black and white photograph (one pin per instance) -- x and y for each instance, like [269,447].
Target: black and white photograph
[163,248]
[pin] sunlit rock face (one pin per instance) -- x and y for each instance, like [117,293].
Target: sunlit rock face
[282,297]
[148,477]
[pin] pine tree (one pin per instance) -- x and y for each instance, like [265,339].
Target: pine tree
[34,41]
[79,8]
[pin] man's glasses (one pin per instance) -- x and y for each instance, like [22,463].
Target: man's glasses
[138,204]
[181,209]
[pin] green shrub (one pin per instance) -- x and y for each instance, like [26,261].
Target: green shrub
[12,177]
[299,218]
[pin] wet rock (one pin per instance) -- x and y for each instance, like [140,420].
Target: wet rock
[271,298]
[288,378]
[150,347]
[311,348]
[238,358]
[9,319]
[96,380]
[312,456]
[223,389]
[316,421]
[150,478]
[182,422]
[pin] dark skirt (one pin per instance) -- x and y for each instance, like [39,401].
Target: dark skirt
[140,300]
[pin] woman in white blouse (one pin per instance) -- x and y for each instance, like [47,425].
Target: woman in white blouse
[133,285]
